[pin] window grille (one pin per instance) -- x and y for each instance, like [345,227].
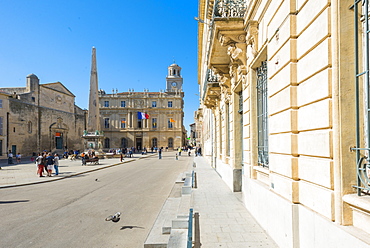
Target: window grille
[361,27]
[262,115]
[228,136]
[170,104]
[123,104]
[106,103]
[154,104]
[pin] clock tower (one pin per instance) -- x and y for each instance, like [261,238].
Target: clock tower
[174,79]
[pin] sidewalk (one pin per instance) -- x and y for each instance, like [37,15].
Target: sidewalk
[224,221]
[25,173]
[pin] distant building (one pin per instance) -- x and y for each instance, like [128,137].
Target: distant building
[144,119]
[39,117]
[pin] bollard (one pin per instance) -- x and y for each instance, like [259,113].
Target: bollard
[195,180]
[197,243]
[190,229]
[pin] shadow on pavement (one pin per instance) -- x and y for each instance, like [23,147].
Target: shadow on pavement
[7,202]
[131,227]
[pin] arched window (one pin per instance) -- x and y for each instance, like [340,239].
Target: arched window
[170,142]
[123,142]
[106,143]
[29,126]
[154,142]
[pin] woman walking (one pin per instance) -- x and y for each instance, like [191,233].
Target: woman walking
[40,166]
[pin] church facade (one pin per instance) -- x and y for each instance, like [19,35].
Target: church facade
[39,117]
[145,119]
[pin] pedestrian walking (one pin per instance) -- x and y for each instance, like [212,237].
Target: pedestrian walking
[40,166]
[179,151]
[121,157]
[10,157]
[160,153]
[177,156]
[18,158]
[56,164]
[49,163]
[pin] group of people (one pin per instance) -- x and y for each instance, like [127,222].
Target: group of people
[10,157]
[46,162]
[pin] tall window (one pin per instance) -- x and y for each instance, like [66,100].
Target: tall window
[106,103]
[154,122]
[1,125]
[123,104]
[1,103]
[170,123]
[154,104]
[123,142]
[154,142]
[170,104]
[106,122]
[123,122]
[170,142]
[139,123]
[262,118]
[227,122]
[29,126]
[106,143]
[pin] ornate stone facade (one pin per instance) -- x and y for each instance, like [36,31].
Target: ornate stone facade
[278,100]
[164,127]
[39,117]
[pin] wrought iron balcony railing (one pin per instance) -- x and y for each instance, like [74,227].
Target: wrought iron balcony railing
[211,77]
[230,8]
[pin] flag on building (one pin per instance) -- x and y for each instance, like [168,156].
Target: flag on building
[172,120]
[142,116]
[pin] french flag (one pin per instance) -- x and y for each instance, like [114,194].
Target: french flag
[142,116]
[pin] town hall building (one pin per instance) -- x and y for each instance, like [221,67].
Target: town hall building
[145,119]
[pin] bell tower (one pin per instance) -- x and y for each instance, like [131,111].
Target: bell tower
[174,79]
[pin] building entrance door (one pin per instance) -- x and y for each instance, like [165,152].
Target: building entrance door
[14,150]
[58,142]
[138,143]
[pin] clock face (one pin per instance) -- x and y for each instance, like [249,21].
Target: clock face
[174,84]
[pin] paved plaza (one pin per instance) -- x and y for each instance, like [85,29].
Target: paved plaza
[224,221]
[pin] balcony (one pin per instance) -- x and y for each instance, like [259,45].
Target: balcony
[226,30]
[211,89]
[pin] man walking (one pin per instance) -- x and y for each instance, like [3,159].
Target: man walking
[56,164]
[160,153]
[10,157]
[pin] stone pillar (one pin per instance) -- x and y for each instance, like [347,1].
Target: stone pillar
[93,122]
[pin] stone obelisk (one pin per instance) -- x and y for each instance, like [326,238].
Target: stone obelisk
[93,135]
[93,121]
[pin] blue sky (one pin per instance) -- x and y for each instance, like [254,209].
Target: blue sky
[135,41]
